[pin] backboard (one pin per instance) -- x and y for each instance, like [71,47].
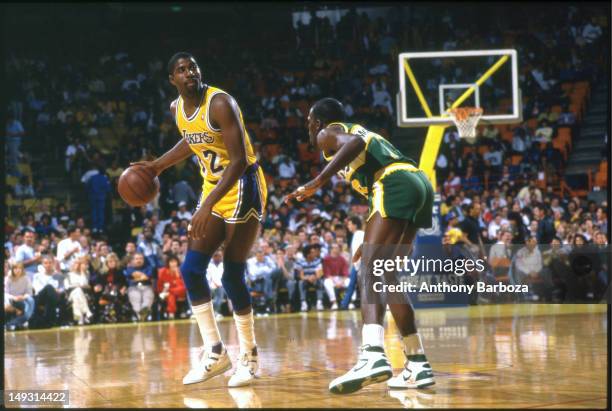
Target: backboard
[432,82]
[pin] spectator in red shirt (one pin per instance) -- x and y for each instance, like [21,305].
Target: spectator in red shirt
[170,285]
[335,270]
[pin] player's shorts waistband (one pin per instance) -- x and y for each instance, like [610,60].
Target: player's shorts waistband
[250,169]
[386,170]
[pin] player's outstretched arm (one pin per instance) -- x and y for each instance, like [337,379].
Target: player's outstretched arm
[330,140]
[175,155]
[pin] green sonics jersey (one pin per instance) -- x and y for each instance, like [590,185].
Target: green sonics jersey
[378,153]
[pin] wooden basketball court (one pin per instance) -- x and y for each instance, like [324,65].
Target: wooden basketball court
[527,356]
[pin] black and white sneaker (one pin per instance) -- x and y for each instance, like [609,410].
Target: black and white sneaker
[372,367]
[417,373]
[210,364]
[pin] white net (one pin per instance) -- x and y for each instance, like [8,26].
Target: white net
[466,120]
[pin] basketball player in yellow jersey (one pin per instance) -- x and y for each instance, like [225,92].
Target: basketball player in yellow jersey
[230,210]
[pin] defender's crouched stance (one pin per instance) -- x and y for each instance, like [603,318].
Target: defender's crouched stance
[401,200]
[233,199]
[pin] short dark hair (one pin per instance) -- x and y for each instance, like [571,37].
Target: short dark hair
[71,229]
[307,249]
[328,110]
[356,220]
[172,257]
[176,57]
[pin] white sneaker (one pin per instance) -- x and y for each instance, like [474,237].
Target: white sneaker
[209,365]
[304,306]
[334,306]
[245,370]
[319,305]
[413,398]
[245,397]
[191,402]
[351,306]
[372,367]
[416,374]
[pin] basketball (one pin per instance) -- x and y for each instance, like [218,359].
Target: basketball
[138,186]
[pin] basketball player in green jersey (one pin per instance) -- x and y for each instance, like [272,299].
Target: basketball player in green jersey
[401,200]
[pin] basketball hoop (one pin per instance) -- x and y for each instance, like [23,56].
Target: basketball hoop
[466,120]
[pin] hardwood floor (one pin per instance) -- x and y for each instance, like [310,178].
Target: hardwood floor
[516,356]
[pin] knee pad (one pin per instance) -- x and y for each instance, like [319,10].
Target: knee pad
[193,271]
[234,284]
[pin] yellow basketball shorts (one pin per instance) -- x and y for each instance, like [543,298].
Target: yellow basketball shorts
[246,199]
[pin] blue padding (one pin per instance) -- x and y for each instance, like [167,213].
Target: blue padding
[234,283]
[193,271]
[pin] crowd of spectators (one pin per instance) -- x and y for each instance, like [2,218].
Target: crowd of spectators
[121,264]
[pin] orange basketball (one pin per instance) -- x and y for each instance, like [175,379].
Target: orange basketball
[138,186]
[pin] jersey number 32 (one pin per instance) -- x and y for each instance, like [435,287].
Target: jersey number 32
[211,156]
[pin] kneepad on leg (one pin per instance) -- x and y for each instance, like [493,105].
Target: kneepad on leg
[193,271]
[235,285]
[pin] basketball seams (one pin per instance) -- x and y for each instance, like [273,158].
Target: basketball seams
[134,193]
[141,182]
[148,182]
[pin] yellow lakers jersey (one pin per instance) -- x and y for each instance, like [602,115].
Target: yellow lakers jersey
[206,141]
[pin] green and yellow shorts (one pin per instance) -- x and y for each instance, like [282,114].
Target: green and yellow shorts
[404,192]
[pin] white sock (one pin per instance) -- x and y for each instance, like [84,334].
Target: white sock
[246,331]
[205,317]
[412,344]
[373,334]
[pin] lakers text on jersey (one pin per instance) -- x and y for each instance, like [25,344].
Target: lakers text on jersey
[247,198]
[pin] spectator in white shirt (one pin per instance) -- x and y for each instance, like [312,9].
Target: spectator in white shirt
[354,226]
[528,263]
[75,148]
[544,133]
[381,96]
[286,168]
[183,213]
[78,285]
[261,274]
[69,248]
[500,254]
[496,225]
[49,290]
[214,272]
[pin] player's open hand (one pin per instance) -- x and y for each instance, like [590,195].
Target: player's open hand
[147,164]
[302,192]
[198,222]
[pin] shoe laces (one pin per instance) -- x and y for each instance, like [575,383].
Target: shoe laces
[208,357]
[362,355]
[246,360]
